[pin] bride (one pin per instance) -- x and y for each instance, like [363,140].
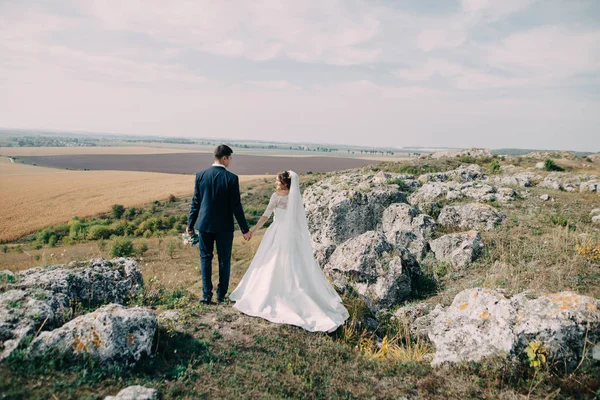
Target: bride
[284,284]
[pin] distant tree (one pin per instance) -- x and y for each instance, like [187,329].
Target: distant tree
[118,210]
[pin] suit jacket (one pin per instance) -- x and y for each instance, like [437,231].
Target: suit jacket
[216,200]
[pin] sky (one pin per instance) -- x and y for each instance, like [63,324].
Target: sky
[455,73]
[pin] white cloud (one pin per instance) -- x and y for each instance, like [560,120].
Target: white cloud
[308,31]
[549,52]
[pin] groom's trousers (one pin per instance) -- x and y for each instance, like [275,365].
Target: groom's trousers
[224,242]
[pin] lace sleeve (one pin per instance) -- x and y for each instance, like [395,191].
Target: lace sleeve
[271,206]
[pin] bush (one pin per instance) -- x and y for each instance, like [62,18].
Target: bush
[141,248]
[122,247]
[118,210]
[402,186]
[550,165]
[172,198]
[99,232]
[5,249]
[171,247]
[101,245]
[52,241]
[36,246]
[495,166]
[118,227]
[77,230]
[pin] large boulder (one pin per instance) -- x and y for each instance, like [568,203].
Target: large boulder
[590,186]
[458,249]
[91,282]
[111,334]
[374,268]
[405,227]
[522,179]
[343,207]
[483,323]
[40,298]
[470,216]
[135,393]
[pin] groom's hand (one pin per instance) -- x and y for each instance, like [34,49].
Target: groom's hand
[248,235]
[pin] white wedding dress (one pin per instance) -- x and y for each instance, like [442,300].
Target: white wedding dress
[284,284]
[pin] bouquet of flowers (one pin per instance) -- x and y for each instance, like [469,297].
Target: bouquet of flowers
[190,240]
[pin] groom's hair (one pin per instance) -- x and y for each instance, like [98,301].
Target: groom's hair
[223,151]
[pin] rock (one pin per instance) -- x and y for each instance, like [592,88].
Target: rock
[590,186]
[545,197]
[95,281]
[418,317]
[405,227]
[505,195]
[466,173]
[473,152]
[540,165]
[343,207]
[522,179]
[484,323]
[458,249]
[39,298]
[479,191]
[594,212]
[111,334]
[381,177]
[470,216]
[596,352]
[596,220]
[550,183]
[135,393]
[374,268]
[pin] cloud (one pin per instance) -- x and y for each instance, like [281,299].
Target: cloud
[548,52]
[308,31]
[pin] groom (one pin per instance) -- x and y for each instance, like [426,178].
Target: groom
[216,200]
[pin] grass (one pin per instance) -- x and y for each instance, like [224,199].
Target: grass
[216,352]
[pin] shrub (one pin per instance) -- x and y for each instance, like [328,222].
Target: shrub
[495,166]
[172,198]
[402,186]
[101,245]
[99,232]
[36,246]
[52,241]
[5,249]
[118,227]
[141,248]
[171,247]
[550,165]
[122,247]
[44,235]
[77,230]
[118,210]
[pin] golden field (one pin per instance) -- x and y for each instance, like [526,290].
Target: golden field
[35,197]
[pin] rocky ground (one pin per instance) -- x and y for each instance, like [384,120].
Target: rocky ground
[465,275]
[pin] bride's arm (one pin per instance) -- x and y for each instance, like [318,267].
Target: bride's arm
[260,224]
[267,214]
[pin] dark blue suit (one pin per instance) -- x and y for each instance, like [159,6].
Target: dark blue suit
[216,201]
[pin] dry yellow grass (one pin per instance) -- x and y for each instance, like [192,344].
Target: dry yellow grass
[61,151]
[34,197]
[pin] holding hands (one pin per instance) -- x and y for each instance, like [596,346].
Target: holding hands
[248,235]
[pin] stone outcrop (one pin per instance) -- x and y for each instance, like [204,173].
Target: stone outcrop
[458,249]
[484,323]
[374,268]
[470,216]
[42,297]
[111,334]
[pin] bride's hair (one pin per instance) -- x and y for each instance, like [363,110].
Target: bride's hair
[285,178]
